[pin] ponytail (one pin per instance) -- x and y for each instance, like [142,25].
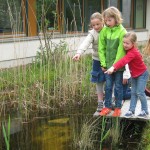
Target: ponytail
[146,50]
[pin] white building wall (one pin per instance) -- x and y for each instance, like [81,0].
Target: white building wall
[22,52]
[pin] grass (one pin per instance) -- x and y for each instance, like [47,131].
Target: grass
[87,136]
[6,134]
[51,81]
[145,140]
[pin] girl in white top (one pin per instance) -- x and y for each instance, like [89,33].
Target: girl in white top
[97,75]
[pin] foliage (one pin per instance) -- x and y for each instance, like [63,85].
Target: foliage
[53,80]
[145,141]
[6,134]
[86,137]
[46,14]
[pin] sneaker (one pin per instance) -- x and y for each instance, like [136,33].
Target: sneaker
[100,106]
[129,114]
[143,114]
[96,114]
[117,112]
[105,111]
[113,105]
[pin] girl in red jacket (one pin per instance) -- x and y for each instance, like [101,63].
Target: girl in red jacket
[139,74]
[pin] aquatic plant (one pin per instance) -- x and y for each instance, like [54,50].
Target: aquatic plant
[104,132]
[145,140]
[87,136]
[6,133]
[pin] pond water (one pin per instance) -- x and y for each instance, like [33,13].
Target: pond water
[68,131]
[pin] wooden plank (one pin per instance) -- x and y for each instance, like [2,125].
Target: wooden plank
[125,108]
[126,105]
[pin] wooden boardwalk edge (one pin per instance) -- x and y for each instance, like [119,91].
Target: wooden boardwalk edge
[125,108]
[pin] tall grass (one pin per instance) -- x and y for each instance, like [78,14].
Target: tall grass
[88,134]
[51,82]
[6,134]
[104,132]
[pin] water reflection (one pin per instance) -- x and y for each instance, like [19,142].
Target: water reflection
[62,131]
[53,135]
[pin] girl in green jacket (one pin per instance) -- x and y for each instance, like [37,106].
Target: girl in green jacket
[110,51]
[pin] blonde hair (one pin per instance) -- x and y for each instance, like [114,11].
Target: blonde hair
[132,36]
[114,13]
[97,15]
[146,50]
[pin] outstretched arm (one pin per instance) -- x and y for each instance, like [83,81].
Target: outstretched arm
[83,47]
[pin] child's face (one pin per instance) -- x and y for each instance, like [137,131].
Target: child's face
[127,44]
[110,21]
[97,25]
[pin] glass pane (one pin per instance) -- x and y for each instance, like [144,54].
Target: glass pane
[46,14]
[126,13]
[91,7]
[108,3]
[73,17]
[10,16]
[139,20]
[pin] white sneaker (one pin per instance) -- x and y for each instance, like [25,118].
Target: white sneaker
[143,114]
[96,114]
[129,114]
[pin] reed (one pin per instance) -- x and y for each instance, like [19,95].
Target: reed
[104,132]
[87,135]
[48,82]
[145,140]
[6,134]
[52,80]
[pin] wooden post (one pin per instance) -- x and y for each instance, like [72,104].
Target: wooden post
[32,22]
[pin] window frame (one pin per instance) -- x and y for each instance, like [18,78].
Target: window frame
[24,27]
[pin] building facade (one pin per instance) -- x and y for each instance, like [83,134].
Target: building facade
[22,22]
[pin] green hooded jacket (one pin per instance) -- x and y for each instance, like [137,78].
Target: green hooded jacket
[110,46]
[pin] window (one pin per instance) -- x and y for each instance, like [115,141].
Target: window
[73,15]
[46,15]
[126,13]
[11,16]
[133,12]
[90,8]
[139,14]
[108,3]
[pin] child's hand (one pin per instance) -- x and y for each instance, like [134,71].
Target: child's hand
[103,69]
[76,57]
[125,81]
[110,70]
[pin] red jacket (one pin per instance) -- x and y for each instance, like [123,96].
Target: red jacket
[134,59]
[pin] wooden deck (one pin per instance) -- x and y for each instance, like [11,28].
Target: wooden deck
[125,108]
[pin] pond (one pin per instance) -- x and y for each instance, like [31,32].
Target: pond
[74,129]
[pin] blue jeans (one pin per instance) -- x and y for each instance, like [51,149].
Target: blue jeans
[115,78]
[138,91]
[126,90]
[97,75]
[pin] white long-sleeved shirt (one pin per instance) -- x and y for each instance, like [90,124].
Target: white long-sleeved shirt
[91,38]
[126,73]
